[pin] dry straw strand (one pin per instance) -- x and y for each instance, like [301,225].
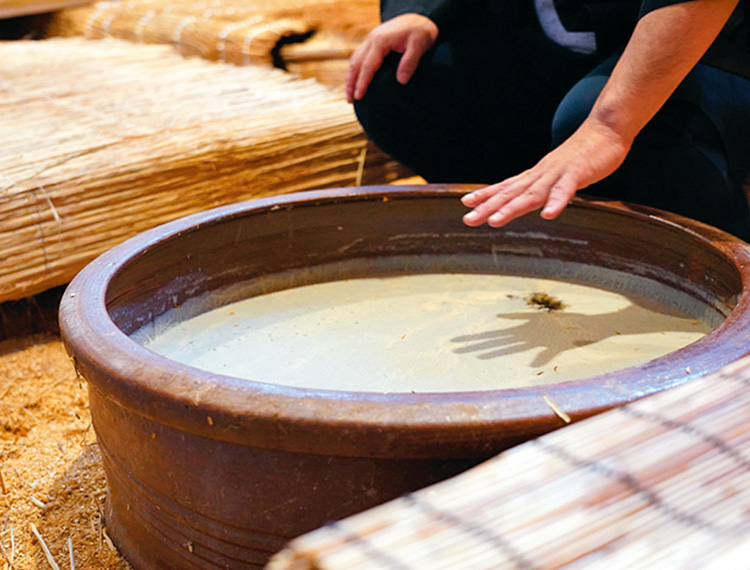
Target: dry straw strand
[45,549]
[38,503]
[558,411]
[9,557]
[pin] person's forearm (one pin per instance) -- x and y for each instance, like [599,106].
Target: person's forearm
[665,46]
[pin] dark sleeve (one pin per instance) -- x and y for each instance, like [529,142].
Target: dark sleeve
[435,10]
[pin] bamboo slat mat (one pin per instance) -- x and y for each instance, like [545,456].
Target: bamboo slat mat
[105,139]
[234,31]
[660,484]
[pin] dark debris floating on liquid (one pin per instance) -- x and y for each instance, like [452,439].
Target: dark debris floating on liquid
[546,302]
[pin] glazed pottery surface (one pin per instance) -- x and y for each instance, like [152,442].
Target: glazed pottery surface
[212,471]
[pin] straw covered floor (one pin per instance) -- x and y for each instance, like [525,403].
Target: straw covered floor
[52,485]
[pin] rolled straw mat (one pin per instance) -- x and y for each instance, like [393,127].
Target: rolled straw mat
[659,484]
[14,8]
[233,31]
[105,139]
[323,57]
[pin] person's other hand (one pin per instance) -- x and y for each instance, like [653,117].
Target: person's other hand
[409,34]
[592,153]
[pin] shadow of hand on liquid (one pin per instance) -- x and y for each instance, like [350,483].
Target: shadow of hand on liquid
[561,331]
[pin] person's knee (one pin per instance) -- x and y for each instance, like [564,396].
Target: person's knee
[575,107]
[680,177]
[376,107]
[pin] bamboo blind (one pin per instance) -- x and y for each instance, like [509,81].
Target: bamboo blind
[234,31]
[105,139]
[659,484]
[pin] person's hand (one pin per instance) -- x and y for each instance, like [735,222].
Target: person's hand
[665,45]
[409,34]
[593,152]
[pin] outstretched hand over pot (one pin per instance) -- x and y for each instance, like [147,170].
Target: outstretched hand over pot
[593,152]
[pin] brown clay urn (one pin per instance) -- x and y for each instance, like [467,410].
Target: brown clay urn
[209,471]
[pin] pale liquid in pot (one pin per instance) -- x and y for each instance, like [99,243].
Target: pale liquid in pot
[425,333]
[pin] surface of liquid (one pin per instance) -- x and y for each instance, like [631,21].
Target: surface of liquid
[427,333]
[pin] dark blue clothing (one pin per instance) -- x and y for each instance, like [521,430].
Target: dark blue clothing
[611,21]
[497,93]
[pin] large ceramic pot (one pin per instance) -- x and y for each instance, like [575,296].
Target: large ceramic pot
[211,471]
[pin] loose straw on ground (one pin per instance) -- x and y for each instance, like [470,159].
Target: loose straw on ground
[9,557]
[38,503]
[45,549]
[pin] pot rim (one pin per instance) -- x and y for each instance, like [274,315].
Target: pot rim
[345,423]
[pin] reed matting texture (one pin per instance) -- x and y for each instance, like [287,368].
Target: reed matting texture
[661,483]
[234,31]
[105,139]
[15,8]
